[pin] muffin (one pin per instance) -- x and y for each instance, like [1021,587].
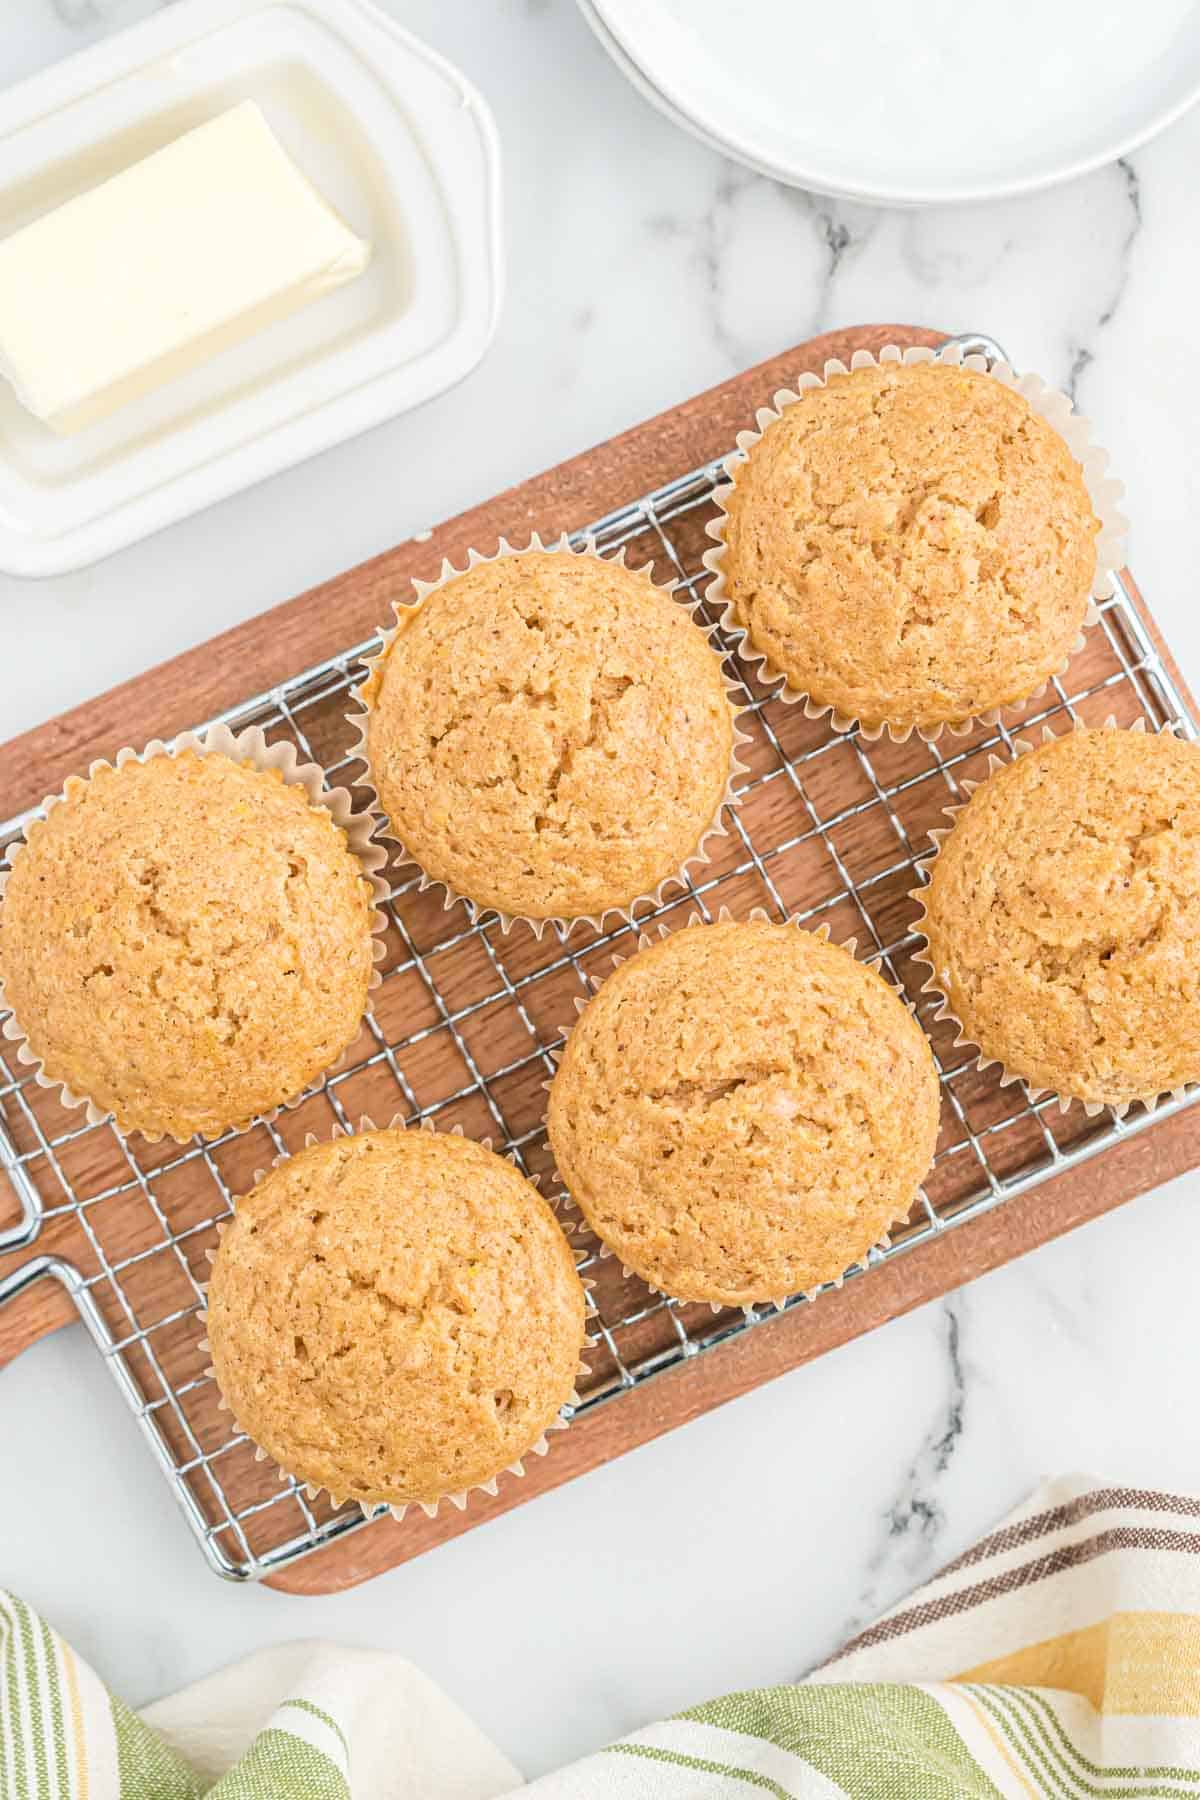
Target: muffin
[909,545]
[1063,916]
[395,1316]
[549,735]
[742,1111]
[186,942]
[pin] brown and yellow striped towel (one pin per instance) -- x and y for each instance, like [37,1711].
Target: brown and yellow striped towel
[1058,1658]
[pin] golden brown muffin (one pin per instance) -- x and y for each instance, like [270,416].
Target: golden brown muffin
[549,735]
[395,1316]
[186,942]
[1063,916]
[911,544]
[742,1111]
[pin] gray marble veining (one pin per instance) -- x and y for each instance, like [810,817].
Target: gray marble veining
[911,1540]
[1085,353]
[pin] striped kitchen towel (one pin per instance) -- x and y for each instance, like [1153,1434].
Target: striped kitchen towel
[300,1722]
[1058,1658]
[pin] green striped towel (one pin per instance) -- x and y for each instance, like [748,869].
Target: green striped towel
[1060,1657]
[301,1722]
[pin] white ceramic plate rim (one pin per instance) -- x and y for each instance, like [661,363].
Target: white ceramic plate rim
[741,147]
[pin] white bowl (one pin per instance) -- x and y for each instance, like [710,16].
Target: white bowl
[939,101]
[390,133]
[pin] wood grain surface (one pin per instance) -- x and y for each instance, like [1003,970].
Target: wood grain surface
[321,623]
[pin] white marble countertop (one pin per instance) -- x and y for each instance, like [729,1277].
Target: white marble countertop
[742,1548]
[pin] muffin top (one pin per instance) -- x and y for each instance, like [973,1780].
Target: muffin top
[742,1111]
[395,1316]
[186,942]
[1063,916]
[549,734]
[911,544]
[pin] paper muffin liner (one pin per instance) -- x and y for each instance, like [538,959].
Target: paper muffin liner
[657,932]
[541,1447]
[653,899]
[1104,492]
[944,1010]
[246,746]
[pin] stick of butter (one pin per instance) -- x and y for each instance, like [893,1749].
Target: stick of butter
[180,256]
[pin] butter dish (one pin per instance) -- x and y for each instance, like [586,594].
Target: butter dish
[183,254]
[401,147]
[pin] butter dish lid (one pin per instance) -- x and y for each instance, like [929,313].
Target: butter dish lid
[389,133]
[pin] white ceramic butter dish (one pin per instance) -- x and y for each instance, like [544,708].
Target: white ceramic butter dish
[394,139]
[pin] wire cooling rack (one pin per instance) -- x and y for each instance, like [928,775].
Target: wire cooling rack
[830,827]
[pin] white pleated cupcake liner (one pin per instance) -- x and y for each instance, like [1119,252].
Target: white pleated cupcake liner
[652,900]
[369,1509]
[944,1012]
[249,746]
[564,1201]
[1104,491]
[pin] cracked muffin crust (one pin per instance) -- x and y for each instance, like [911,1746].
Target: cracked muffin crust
[186,942]
[910,545]
[395,1316]
[549,734]
[742,1111]
[1063,916]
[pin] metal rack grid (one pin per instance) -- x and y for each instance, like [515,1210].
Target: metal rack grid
[463,1027]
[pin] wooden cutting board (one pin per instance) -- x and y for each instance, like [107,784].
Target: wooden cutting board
[321,623]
